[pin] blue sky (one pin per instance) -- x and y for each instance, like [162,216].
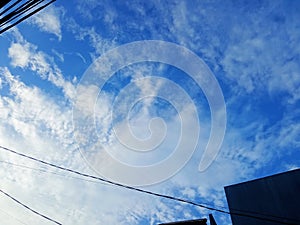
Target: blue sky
[46,108]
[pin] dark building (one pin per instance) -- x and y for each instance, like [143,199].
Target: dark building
[272,200]
[188,222]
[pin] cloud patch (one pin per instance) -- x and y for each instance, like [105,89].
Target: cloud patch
[26,55]
[48,20]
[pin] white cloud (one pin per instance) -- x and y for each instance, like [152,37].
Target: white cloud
[31,113]
[259,58]
[19,54]
[58,55]
[92,10]
[50,130]
[95,39]
[27,56]
[31,121]
[257,53]
[48,20]
[251,63]
[36,125]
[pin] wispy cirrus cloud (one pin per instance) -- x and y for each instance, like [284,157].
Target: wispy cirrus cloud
[98,43]
[49,20]
[29,115]
[243,45]
[26,55]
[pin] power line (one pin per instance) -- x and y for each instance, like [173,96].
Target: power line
[51,172]
[97,182]
[16,219]
[27,207]
[150,192]
[18,11]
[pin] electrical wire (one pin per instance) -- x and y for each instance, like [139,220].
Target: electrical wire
[10,7]
[15,15]
[51,172]
[27,16]
[97,182]
[9,215]
[257,213]
[27,207]
[21,10]
[150,192]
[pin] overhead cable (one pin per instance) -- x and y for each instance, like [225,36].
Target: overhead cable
[14,12]
[150,192]
[29,208]
[39,170]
